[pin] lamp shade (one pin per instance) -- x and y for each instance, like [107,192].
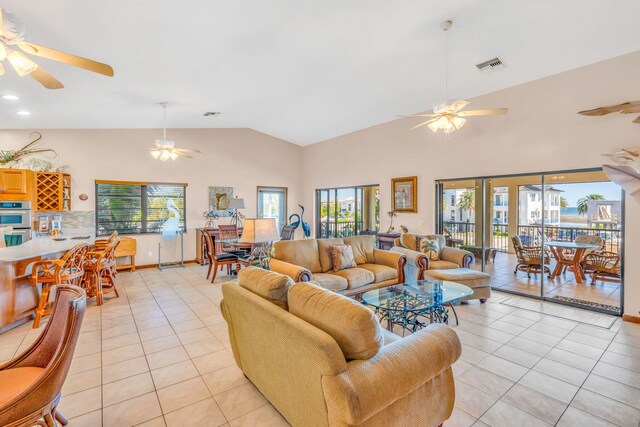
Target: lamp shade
[259,230]
[236,203]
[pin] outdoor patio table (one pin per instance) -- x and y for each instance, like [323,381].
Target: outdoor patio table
[563,261]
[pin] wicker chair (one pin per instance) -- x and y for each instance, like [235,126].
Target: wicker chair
[100,271]
[31,383]
[530,258]
[47,273]
[287,232]
[604,266]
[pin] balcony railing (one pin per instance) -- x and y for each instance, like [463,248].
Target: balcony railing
[339,229]
[464,234]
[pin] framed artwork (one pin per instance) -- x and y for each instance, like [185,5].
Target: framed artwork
[219,201]
[405,194]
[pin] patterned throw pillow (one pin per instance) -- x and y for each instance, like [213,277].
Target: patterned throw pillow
[430,247]
[342,256]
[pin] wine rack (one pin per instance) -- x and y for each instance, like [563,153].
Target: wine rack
[53,192]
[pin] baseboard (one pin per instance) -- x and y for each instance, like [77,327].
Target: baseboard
[630,318]
[139,267]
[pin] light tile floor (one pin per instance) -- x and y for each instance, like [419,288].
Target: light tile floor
[159,356]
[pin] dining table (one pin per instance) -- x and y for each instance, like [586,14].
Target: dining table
[572,259]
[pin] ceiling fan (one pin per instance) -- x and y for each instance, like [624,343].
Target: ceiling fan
[164,149]
[12,32]
[626,170]
[631,107]
[449,116]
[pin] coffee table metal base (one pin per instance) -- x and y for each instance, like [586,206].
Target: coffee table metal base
[415,320]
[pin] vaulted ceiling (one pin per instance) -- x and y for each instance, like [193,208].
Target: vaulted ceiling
[303,71]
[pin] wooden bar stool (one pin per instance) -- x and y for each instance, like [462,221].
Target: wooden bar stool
[100,271]
[66,270]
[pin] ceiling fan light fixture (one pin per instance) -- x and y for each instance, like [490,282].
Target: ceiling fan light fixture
[434,126]
[156,153]
[23,65]
[173,155]
[458,122]
[164,155]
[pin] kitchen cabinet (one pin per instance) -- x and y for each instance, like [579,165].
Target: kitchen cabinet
[13,181]
[53,192]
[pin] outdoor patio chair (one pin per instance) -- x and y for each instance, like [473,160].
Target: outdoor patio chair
[604,266]
[530,258]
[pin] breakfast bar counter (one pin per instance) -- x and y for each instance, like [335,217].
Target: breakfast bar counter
[18,298]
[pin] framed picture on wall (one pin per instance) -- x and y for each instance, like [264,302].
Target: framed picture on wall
[405,194]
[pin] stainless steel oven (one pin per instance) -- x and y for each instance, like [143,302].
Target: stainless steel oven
[17,215]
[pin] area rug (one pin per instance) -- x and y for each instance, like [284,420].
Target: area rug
[562,311]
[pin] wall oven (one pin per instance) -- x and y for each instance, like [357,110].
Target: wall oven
[16,214]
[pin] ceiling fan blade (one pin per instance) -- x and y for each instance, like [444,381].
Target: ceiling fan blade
[630,109]
[45,79]
[488,112]
[1,22]
[637,120]
[67,58]
[420,115]
[423,124]
[458,105]
[185,150]
[601,111]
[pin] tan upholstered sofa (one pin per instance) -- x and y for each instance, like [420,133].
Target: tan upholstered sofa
[323,360]
[310,260]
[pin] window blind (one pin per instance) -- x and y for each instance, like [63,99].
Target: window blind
[137,208]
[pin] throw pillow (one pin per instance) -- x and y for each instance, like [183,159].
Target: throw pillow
[342,257]
[430,247]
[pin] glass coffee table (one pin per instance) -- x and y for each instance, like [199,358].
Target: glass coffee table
[413,306]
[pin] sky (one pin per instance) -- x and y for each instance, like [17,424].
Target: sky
[572,192]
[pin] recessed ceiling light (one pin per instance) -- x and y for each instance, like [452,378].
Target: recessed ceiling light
[11,97]
[23,113]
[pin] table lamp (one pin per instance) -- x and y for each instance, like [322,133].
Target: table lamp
[236,204]
[261,231]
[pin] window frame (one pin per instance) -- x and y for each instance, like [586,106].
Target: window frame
[284,190]
[142,204]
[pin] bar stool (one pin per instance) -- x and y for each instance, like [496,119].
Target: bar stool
[66,270]
[100,270]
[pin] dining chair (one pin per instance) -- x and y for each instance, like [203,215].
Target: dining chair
[530,258]
[603,266]
[287,232]
[32,382]
[208,251]
[50,272]
[100,271]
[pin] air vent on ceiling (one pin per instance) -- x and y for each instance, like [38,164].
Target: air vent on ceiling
[212,113]
[492,64]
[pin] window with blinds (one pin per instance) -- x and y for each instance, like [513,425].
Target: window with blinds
[138,208]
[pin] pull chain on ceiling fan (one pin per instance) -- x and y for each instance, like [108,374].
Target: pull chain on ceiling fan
[12,34]
[164,148]
[448,116]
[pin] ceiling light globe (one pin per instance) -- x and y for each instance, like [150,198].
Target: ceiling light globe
[458,122]
[173,155]
[23,65]
[164,155]
[155,154]
[433,126]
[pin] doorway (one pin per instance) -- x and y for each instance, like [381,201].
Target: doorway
[272,203]
[511,222]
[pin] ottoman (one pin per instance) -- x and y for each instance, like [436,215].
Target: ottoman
[476,280]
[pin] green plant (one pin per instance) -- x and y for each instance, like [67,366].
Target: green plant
[583,202]
[467,201]
[563,203]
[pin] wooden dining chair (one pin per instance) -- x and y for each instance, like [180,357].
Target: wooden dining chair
[100,271]
[209,253]
[530,258]
[50,272]
[31,383]
[287,232]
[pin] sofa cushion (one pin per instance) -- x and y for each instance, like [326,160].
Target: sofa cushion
[466,276]
[442,265]
[354,327]
[303,253]
[356,277]
[331,281]
[267,284]
[342,257]
[409,241]
[363,247]
[442,241]
[430,247]
[16,380]
[324,250]
[381,272]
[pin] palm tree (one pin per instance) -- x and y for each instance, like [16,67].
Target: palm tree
[563,203]
[583,202]
[467,201]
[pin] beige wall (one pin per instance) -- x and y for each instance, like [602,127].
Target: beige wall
[238,158]
[542,132]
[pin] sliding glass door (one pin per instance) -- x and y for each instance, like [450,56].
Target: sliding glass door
[544,235]
[272,203]
[344,212]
